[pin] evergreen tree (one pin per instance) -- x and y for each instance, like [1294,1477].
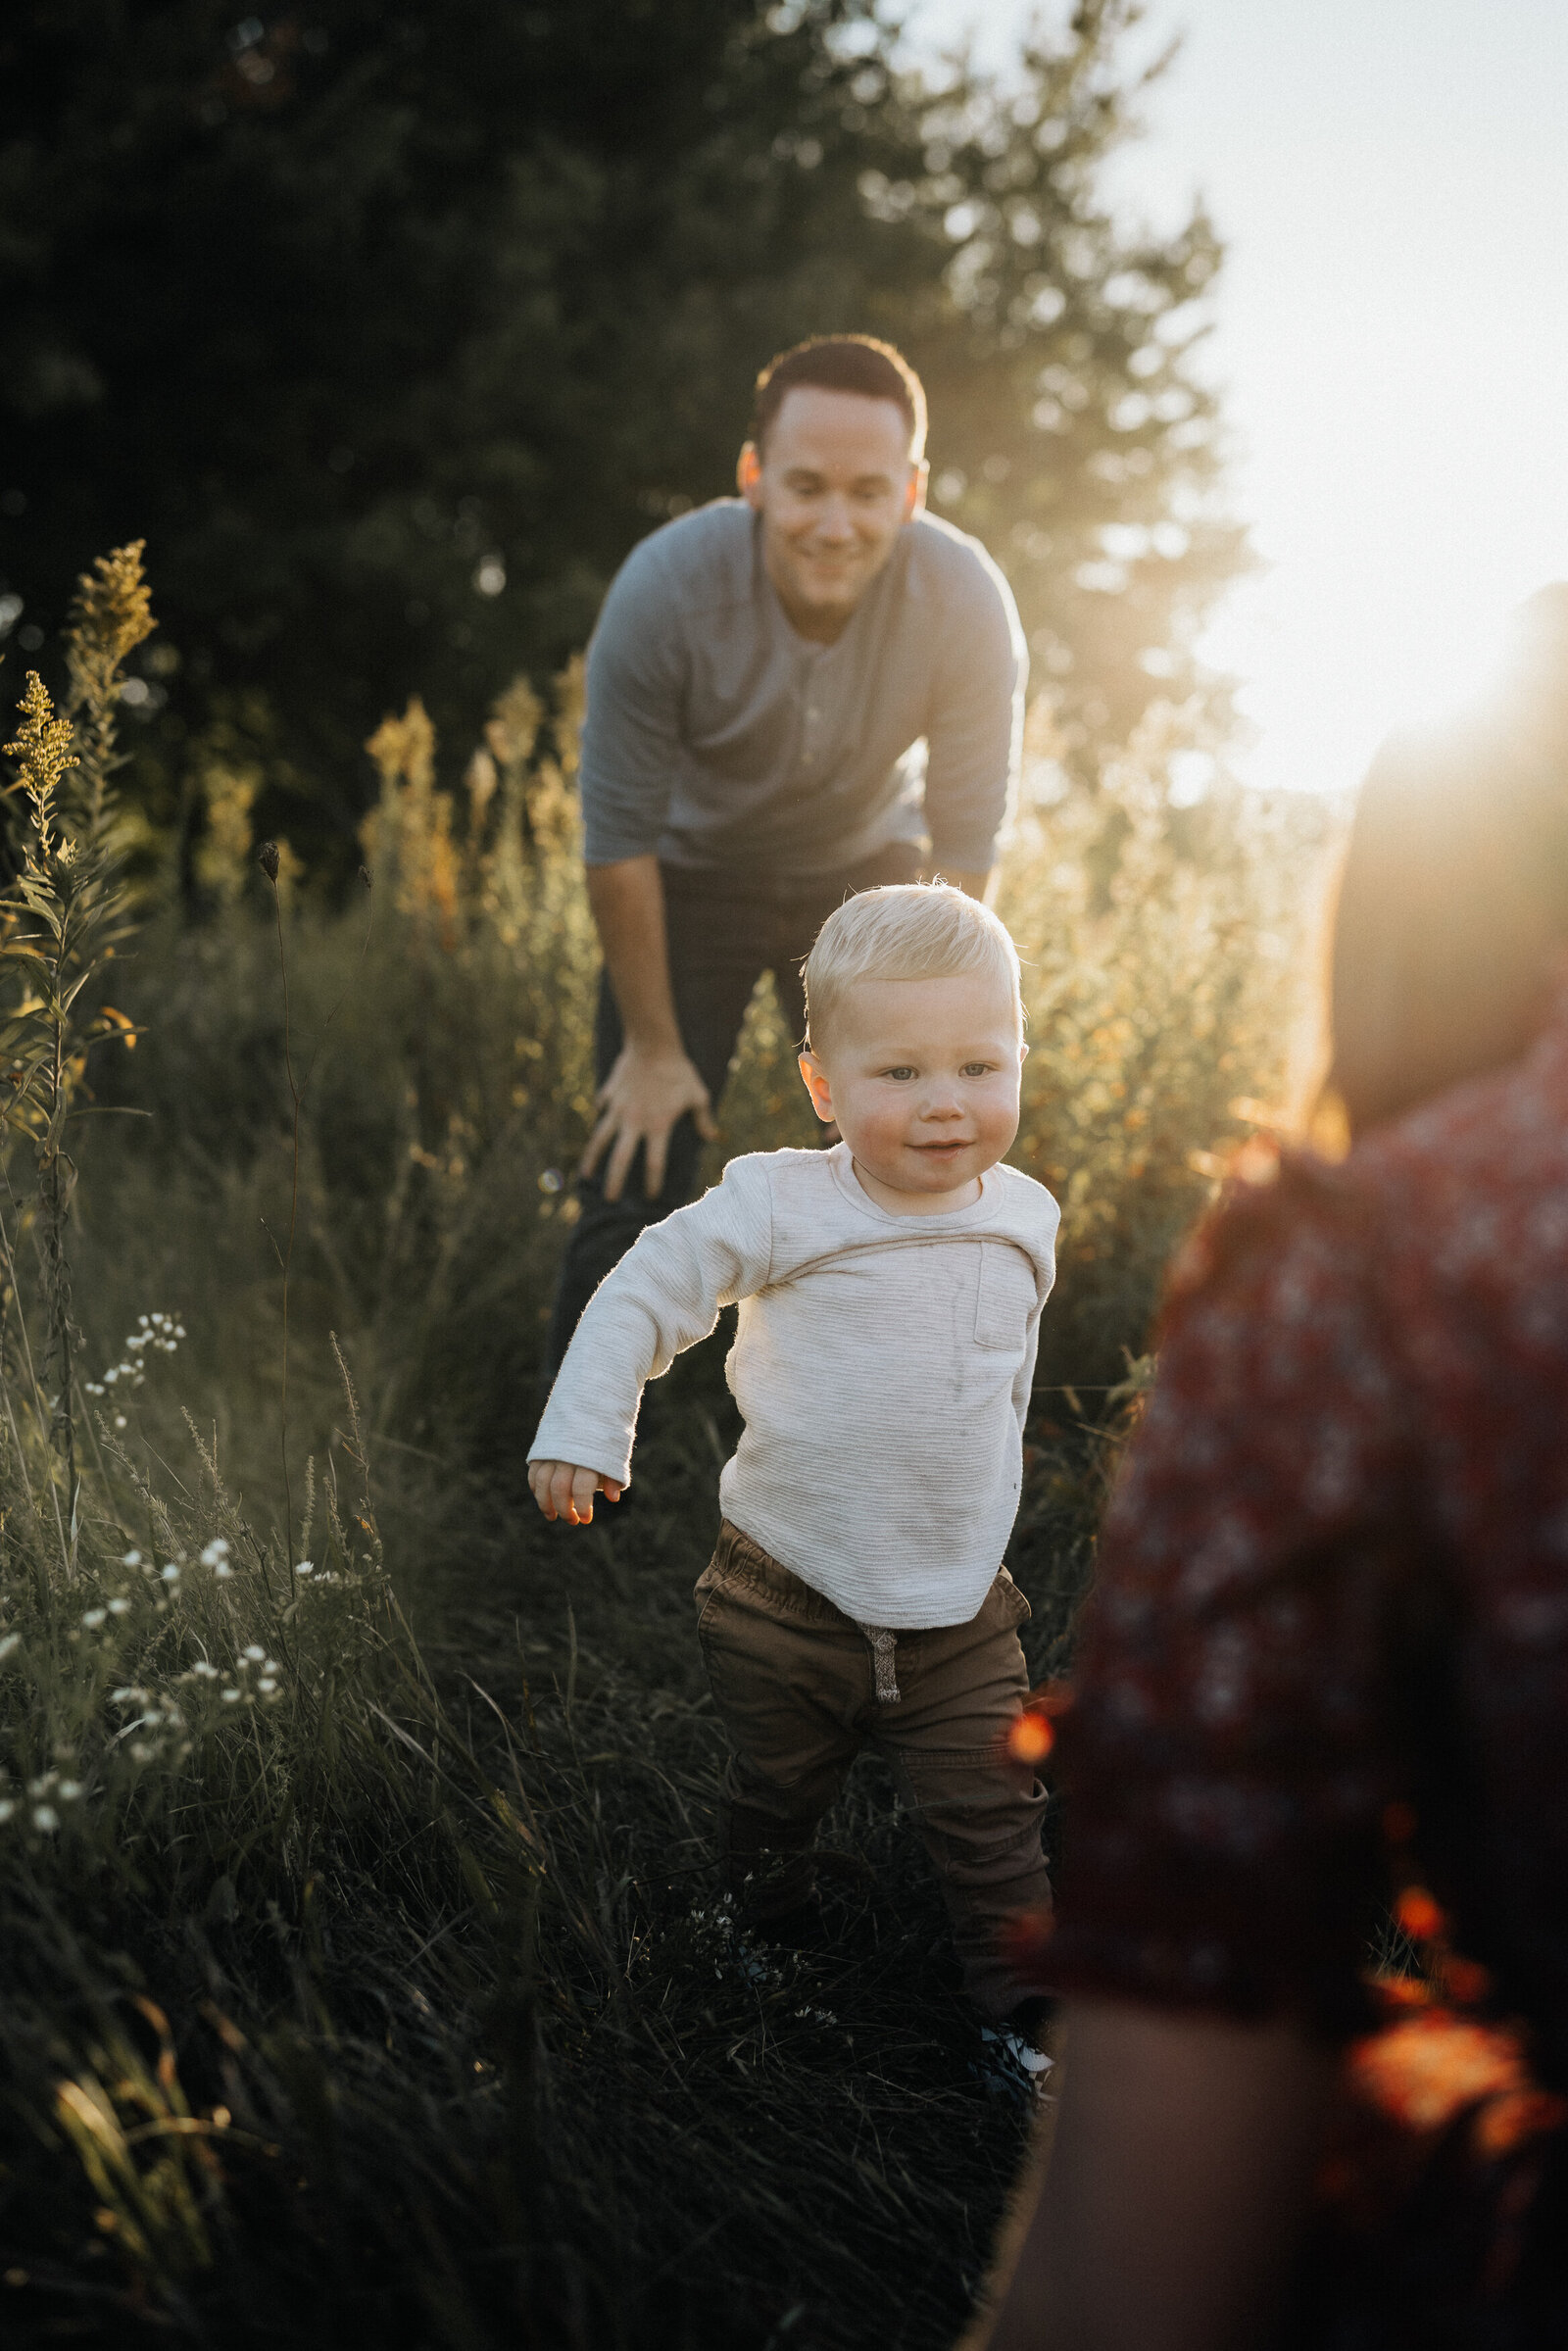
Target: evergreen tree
[391,327]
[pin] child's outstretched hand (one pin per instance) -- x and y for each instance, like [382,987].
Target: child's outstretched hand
[564,1490]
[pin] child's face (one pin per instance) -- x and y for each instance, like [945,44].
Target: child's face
[922,1078]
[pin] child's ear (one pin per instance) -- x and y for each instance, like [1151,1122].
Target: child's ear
[817,1087]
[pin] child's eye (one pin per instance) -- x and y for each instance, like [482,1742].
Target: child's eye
[976,1069]
[903,1070]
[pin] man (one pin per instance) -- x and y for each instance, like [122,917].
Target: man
[789,693]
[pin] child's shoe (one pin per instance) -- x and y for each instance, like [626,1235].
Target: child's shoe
[1010,2063]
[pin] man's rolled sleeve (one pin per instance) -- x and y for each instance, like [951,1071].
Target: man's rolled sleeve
[975,742]
[631,741]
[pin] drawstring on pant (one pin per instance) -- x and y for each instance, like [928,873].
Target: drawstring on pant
[883,1640]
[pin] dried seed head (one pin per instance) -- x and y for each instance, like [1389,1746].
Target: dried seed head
[266,858]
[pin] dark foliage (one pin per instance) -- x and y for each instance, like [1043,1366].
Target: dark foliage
[392,327]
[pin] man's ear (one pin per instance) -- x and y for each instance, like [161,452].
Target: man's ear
[914,493]
[748,474]
[817,1087]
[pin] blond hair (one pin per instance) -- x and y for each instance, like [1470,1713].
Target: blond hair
[906,931]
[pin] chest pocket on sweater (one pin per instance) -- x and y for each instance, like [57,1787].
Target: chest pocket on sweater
[1006,1297]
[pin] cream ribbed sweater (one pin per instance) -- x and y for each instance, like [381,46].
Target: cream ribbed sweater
[881,1364]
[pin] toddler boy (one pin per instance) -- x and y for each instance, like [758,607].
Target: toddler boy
[890,1291]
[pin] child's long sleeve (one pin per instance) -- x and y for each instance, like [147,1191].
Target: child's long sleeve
[663,1295]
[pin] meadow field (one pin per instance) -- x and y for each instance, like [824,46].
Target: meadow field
[365,1975]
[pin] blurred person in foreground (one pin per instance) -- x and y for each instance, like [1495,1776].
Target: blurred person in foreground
[1323,1678]
[809,689]
[890,1291]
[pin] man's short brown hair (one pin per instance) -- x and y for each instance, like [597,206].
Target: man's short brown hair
[843,363]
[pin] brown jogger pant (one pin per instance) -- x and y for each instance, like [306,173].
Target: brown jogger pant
[796,1683]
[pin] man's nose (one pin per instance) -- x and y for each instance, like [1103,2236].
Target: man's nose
[834,522]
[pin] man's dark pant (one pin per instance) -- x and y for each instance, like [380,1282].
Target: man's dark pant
[724,931]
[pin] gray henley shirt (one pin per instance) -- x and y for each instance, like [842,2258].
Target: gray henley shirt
[717,737]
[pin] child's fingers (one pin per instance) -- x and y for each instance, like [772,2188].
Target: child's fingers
[580,1500]
[564,1489]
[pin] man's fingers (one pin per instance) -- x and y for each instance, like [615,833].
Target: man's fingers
[599,1142]
[620,1159]
[706,1123]
[656,1141]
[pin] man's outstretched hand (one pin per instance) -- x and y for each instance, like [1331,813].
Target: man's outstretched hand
[562,1490]
[639,1103]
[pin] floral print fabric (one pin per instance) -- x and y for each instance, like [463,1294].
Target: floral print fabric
[1329,1639]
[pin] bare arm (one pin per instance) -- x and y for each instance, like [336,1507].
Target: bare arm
[1178,2179]
[652,1081]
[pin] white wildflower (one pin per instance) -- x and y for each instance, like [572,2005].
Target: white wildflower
[92,1618]
[268,1687]
[44,1816]
[68,1791]
[208,1673]
[305,1567]
[8,1805]
[215,1552]
[12,1640]
[120,1420]
[131,1559]
[170,1573]
[223,1568]
[120,1607]
[231,1698]
[255,1652]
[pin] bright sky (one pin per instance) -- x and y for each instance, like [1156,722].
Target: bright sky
[1391,177]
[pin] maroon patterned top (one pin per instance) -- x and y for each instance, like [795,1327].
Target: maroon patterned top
[1330,1620]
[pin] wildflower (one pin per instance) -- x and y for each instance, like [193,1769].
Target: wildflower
[45,1817]
[223,1568]
[255,1652]
[128,1694]
[1419,1914]
[42,1785]
[268,1687]
[231,1698]
[10,1641]
[92,1618]
[120,1607]
[305,1567]
[120,1420]
[131,1559]
[215,1553]
[208,1673]
[112,1375]
[1030,1737]
[170,1573]
[141,1751]
[8,1805]
[68,1791]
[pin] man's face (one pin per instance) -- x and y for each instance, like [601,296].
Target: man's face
[834,485]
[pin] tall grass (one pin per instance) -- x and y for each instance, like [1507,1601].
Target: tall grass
[363,1961]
